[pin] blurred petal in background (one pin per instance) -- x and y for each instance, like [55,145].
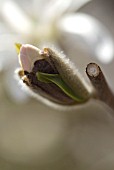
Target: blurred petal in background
[33,136]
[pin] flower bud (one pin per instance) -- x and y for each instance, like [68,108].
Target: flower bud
[52,76]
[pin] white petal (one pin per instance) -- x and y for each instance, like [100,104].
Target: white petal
[90,33]
[13,88]
[8,56]
[15,17]
[77,4]
[55,8]
[3,28]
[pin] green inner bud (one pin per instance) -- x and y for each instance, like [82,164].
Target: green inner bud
[56,79]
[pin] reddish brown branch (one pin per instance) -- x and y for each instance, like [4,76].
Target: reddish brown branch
[100,84]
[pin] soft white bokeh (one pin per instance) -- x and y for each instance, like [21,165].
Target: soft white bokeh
[35,135]
[90,33]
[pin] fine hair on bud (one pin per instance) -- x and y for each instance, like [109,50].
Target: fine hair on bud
[70,74]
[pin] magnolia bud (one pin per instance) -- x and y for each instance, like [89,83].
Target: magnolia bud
[52,76]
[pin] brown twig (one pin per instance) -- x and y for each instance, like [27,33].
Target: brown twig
[100,84]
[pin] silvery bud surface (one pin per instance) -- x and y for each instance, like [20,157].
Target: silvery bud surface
[51,76]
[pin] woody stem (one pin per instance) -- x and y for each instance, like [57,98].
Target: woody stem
[100,84]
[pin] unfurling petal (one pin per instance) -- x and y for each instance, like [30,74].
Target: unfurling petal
[27,56]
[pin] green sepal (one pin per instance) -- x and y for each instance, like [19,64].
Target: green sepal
[56,79]
[17,47]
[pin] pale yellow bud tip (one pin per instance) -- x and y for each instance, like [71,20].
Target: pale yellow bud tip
[17,47]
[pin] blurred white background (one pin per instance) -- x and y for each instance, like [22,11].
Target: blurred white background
[32,135]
